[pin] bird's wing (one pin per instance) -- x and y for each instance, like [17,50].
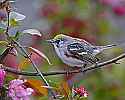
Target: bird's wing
[82,52]
[82,41]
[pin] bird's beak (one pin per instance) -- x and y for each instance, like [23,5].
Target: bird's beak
[50,41]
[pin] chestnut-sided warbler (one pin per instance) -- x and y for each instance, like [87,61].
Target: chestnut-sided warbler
[76,52]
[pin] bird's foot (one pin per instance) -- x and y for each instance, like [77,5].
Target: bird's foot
[67,72]
[117,62]
[83,68]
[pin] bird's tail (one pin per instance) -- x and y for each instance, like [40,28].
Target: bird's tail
[106,47]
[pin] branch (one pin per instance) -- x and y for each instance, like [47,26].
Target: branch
[7,7]
[93,67]
[8,17]
[35,67]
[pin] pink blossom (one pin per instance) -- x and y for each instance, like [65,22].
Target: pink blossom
[2,76]
[119,10]
[112,2]
[18,91]
[81,91]
[118,6]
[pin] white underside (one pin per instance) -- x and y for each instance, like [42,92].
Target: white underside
[68,60]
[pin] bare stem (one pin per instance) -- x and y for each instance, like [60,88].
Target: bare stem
[22,49]
[93,67]
[5,5]
[34,66]
[8,18]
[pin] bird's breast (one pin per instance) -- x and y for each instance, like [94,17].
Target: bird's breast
[67,58]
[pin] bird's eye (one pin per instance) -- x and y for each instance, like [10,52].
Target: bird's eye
[58,41]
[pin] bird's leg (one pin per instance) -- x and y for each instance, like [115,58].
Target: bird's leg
[83,67]
[97,59]
[74,68]
[67,72]
[117,62]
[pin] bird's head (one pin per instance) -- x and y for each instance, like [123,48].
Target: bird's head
[59,40]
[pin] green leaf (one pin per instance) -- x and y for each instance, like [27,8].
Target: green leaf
[2,30]
[17,35]
[3,43]
[13,23]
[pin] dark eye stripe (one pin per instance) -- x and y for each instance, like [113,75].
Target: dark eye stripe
[57,41]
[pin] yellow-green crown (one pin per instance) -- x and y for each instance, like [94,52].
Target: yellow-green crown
[59,36]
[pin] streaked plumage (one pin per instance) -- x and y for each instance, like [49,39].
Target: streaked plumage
[76,52]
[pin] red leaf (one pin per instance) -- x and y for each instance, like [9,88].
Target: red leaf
[40,54]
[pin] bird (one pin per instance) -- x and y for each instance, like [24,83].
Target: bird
[76,52]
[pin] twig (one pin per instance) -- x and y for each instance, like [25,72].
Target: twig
[34,66]
[7,7]
[93,67]
[22,49]
[8,17]
[38,72]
